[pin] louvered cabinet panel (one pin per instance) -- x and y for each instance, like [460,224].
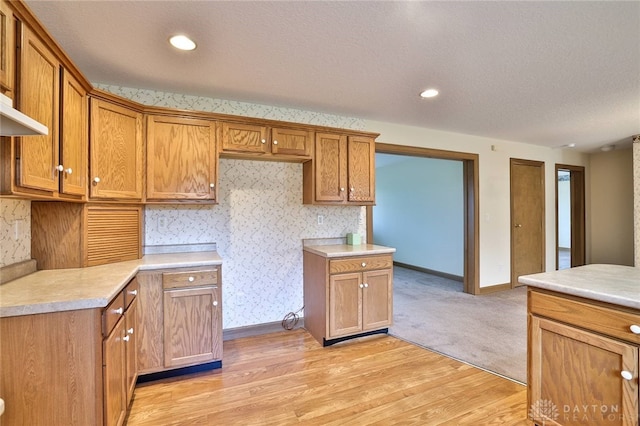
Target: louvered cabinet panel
[113,234]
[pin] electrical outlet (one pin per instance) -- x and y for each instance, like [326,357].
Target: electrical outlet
[320,219]
[18,229]
[162,224]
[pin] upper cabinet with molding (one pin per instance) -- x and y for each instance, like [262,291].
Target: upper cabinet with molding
[53,165]
[7,48]
[181,159]
[257,141]
[116,147]
[342,171]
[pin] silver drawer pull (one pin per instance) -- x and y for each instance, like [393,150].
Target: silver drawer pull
[130,331]
[133,292]
[635,329]
[626,375]
[215,303]
[191,279]
[119,311]
[364,264]
[125,338]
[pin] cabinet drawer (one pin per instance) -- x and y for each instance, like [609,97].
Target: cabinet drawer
[130,292]
[112,314]
[359,264]
[190,278]
[585,314]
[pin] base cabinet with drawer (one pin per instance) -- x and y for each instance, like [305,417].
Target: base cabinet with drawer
[347,296]
[180,317]
[583,361]
[69,367]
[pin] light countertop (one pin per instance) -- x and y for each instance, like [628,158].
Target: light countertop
[614,284]
[344,250]
[57,290]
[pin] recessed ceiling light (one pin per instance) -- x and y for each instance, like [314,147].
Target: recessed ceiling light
[571,145]
[182,42]
[429,93]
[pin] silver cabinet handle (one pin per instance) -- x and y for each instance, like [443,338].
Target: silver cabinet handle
[119,311]
[125,338]
[518,226]
[69,171]
[191,279]
[635,329]
[215,303]
[59,167]
[366,285]
[341,189]
[133,292]
[361,285]
[275,142]
[364,264]
[130,331]
[212,185]
[626,375]
[96,179]
[263,140]
[352,189]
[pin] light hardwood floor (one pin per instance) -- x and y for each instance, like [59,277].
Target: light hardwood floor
[288,378]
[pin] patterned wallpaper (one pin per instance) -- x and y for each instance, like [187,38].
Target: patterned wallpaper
[14,250]
[636,199]
[258,227]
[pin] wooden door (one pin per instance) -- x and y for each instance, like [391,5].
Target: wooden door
[330,165]
[39,95]
[244,138]
[345,304]
[527,218]
[189,326]
[74,151]
[130,347]
[114,376]
[7,47]
[291,142]
[377,305]
[361,172]
[116,152]
[590,388]
[181,158]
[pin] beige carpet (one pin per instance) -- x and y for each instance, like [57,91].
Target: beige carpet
[488,331]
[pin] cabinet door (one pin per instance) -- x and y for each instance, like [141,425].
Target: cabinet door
[377,306]
[361,173]
[39,95]
[130,349]
[7,47]
[74,137]
[114,376]
[244,138]
[590,388]
[345,304]
[150,323]
[330,165]
[291,142]
[116,151]
[190,329]
[181,158]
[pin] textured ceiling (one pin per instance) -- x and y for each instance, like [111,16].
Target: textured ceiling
[545,73]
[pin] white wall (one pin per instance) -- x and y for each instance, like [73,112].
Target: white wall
[420,211]
[636,200]
[14,247]
[494,198]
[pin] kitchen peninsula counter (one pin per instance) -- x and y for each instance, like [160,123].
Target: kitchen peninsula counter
[615,284]
[345,250]
[57,290]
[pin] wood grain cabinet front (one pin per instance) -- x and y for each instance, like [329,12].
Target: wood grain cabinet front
[243,140]
[342,171]
[116,147]
[7,48]
[181,159]
[180,317]
[52,165]
[578,372]
[348,296]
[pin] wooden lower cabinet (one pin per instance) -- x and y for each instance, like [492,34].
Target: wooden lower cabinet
[65,368]
[579,373]
[347,296]
[180,317]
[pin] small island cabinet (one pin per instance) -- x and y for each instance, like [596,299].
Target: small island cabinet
[347,296]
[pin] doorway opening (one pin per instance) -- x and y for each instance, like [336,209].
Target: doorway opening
[470,215]
[570,216]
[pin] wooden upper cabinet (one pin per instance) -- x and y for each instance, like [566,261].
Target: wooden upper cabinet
[116,147]
[181,159]
[74,137]
[361,169]
[7,48]
[267,143]
[342,171]
[39,99]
